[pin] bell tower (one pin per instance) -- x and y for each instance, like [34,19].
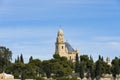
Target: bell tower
[60,44]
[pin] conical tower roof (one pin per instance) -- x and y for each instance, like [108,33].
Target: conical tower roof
[60,32]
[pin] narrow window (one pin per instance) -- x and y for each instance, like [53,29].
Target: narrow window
[62,47]
[70,57]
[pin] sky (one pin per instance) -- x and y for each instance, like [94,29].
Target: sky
[30,26]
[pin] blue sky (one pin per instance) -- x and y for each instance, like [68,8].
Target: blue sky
[30,26]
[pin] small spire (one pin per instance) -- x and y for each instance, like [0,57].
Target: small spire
[108,60]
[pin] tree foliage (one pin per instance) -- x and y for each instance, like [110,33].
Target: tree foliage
[5,58]
[77,64]
[57,67]
[81,70]
[30,59]
[21,58]
[115,67]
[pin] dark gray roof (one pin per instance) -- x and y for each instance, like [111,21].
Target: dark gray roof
[69,47]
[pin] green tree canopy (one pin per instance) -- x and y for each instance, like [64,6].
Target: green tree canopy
[115,67]
[21,58]
[81,70]
[5,58]
[77,64]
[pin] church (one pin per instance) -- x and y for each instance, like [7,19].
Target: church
[64,49]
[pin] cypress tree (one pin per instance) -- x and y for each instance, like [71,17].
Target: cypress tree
[21,58]
[30,59]
[18,59]
[98,69]
[77,64]
[81,70]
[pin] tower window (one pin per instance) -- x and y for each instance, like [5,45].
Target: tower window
[62,47]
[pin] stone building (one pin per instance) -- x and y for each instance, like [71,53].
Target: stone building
[108,60]
[64,49]
[4,76]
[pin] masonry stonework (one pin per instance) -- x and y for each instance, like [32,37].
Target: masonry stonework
[64,49]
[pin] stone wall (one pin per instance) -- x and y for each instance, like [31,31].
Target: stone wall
[109,79]
[16,79]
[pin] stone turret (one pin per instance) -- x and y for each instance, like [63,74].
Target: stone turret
[60,36]
[60,44]
[108,60]
[64,49]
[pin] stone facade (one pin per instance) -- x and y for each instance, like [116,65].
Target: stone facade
[6,76]
[63,48]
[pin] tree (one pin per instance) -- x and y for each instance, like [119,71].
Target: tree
[87,65]
[92,72]
[30,59]
[77,64]
[84,58]
[91,58]
[98,69]
[5,58]
[108,69]
[115,67]
[18,69]
[29,72]
[81,70]
[47,68]
[56,56]
[90,68]
[58,66]
[21,58]
[36,65]
[18,59]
